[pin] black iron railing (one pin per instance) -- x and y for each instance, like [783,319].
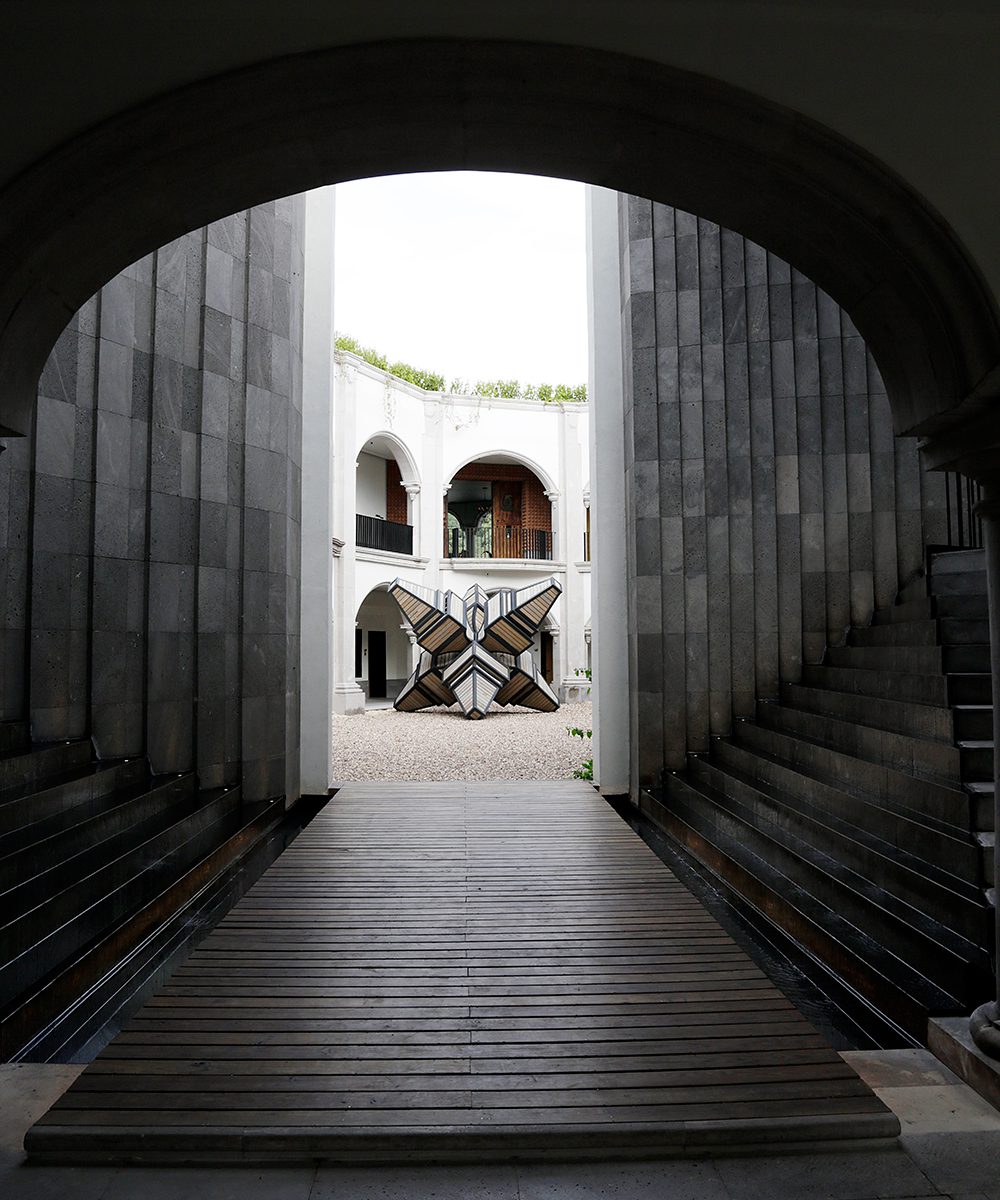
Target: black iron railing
[962,494]
[376,534]
[504,541]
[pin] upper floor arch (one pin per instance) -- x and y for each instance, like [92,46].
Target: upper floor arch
[505,458]
[389,445]
[107,196]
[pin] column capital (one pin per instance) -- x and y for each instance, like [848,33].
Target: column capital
[552,495]
[411,488]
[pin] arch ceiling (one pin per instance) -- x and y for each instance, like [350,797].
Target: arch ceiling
[507,457]
[139,178]
[387,445]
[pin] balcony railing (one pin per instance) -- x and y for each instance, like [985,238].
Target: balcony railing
[504,541]
[375,534]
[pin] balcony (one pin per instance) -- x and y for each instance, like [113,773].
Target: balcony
[373,533]
[505,541]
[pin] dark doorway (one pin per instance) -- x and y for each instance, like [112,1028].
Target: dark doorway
[376,664]
[359,654]
[547,671]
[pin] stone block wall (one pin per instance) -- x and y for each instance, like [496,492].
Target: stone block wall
[151,536]
[769,505]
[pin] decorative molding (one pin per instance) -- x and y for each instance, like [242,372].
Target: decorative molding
[392,560]
[336,545]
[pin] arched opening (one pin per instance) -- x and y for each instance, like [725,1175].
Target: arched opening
[496,506]
[765,171]
[386,484]
[382,650]
[904,279]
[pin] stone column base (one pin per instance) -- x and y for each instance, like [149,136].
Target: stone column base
[348,698]
[950,1040]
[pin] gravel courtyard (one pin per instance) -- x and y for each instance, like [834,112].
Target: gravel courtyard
[439,743]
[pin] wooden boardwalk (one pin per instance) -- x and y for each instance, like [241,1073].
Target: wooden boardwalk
[451,971]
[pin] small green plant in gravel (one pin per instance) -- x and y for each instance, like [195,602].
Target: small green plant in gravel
[586,769]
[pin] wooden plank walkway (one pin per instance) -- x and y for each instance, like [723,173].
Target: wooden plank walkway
[461,970]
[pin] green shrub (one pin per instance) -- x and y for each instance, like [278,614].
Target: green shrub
[496,389]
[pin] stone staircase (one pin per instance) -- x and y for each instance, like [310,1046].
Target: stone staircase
[854,815]
[96,860]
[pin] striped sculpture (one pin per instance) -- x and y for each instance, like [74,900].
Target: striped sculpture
[476,650]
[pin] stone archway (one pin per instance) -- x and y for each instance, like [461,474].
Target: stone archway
[121,189]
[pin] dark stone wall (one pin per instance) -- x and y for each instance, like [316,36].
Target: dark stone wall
[150,538]
[769,505]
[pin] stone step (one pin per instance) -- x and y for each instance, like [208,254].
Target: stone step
[977,759]
[980,794]
[973,722]
[767,875]
[970,687]
[926,837]
[912,660]
[24,773]
[915,589]
[59,1016]
[946,631]
[928,759]
[973,607]
[14,738]
[951,562]
[920,609]
[987,843]
[957,583]
[35,816]
[897,716]
[922,798]
[46,866]
[922,632]
[38,941]
[932,690]
[906,882]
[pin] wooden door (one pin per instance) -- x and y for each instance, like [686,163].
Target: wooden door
[507,519]
[376,664]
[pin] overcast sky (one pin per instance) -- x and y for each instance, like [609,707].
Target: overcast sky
[470,274]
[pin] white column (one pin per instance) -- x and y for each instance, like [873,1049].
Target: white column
[347,696]
[413,511]
[609,580]
[317,480]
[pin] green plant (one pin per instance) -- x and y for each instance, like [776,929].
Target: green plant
[586,769]
[432,381]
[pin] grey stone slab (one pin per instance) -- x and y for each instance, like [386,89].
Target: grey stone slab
[59,376]
[662,223]
[56,437]
[118,311]
[218,334]
[114,449]
[832,1176]
[758,320]
[640,265]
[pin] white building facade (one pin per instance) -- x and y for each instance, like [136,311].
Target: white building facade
[447,491]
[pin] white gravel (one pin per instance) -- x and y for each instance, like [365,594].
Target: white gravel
[439,743]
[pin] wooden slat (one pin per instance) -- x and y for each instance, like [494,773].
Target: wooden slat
[460,961]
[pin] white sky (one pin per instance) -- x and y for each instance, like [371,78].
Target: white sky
[470,274]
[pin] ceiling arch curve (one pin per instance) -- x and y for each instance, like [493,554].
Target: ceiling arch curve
[144,177]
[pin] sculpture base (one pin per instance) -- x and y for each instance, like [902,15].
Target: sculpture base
[950,1039]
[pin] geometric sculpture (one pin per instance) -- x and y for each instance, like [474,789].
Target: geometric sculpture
[475,650]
